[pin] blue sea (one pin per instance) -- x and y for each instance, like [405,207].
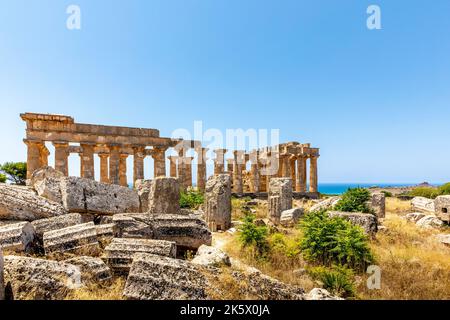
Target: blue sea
[339,188]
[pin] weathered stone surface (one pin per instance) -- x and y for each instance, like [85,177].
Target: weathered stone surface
[74,238]
[430,221]
[321,294]
[422,204]
[63,221]
[92,269]
[218,202]
[106,232]
[143,189]
[155,277]
[378,205]
[365,220]
[442,208]
[414,216]
[47,183]
[280,197]
[211,256]
[87,195]
[133,225]
[164,197]
[120,252]
[39,279]
[444,239]
[22,203]
[2,282]
[326,204]
[17,236]
[187,231]
[289,218]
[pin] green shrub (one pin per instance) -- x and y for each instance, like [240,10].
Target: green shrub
[280,243]
[354,200]
[334,240]
[2,178]
[444,189]
[16,172]
[426,192]
[250,234]
[191,199]
[387,193]
[337,280]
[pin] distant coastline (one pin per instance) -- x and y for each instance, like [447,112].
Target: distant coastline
[339,188]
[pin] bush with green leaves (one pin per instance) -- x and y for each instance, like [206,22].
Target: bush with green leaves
[426,192]
[387,194]
[444,189]
[354,200]
[253,235]
[191,199]
[337,280]
[2,178]
[16,172]
[287,246]
[334,240]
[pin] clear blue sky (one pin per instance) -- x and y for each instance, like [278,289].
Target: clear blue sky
[376,102]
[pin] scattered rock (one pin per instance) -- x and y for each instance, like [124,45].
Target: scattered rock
[415,216]
[378,205]
[442,207]
[211,256]
[260,223]
[280,197]
[188,232]
[321,294]
[39,279]
[164,197]
[429,221]
[382,229]
[232,230]
[120,252]
[218,202]
[365,220]
[444,239]
[143,189]
[74,238]
[87,195]
[422,204]
[55,223]
[17,236]
[47,183]
[92,269]
[105,233]
[22,203]
[133,225]
[326,204]
[289,218]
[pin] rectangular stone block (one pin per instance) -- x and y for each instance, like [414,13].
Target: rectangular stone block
[280,197]
[92,269]
[164,196]
[86,195]
[367,221]
[120,252]
[74,238]
[422,204]
[133,225]
[106,232]
[442,208]
[63,221]
[17,236]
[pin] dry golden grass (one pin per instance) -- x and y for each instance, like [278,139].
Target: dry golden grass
[395,205]
[110,291]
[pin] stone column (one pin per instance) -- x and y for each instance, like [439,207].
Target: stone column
[123,170]
[239,160]
[218,202]
[301,176]
[138,163]
[280,198]
[87,161]
[159,157]
[255,178]
[114,159]
[61,157]
[313,174]
[104,177]
[230,166]
[188,172]
[173,166]
[286,166]
[219,161]
[182,168]
[33,156]
[292,160]
[44,153]
[201,168]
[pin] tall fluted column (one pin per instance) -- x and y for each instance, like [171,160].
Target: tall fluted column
[173,166]
[255,178]
[138,163]
[114,160]
[61,157]
[201,168]
[301,175]
[286,166]
[313,174]
[182,168]
[219,161]
[87,161]
[292,160]
[188,171]
[33,156]
[104,177]
[239,160]
[44,153]
[159,157]
[123,169]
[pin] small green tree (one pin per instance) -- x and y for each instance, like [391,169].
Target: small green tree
[354,200]
[250,234]
[191,199]
[16,172]
[2,178]
[337,280]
